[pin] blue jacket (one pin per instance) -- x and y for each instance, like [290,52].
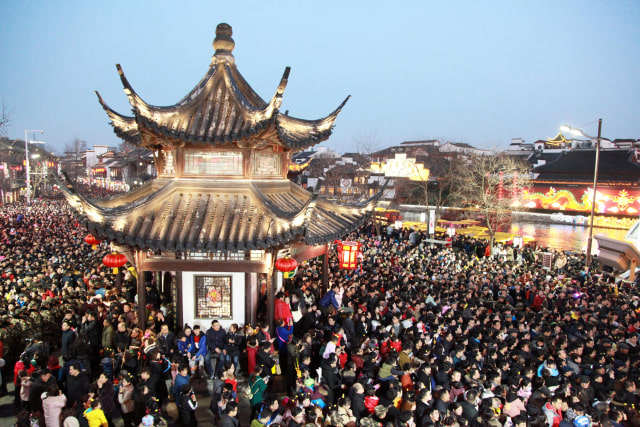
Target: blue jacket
[187,346]
[177,385]
[201,348]
[329,299]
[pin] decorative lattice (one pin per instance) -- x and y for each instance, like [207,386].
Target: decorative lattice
[213,297]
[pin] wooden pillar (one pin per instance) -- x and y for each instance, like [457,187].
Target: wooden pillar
[177,304]
[251,297]
[632,271]
[270,300]
[142,296]
[325,269]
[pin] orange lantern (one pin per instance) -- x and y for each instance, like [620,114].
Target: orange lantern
[91,240]
[114,260]
[348,254]
[286,264]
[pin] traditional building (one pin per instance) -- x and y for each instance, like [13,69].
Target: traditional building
[566,184]
[222,208]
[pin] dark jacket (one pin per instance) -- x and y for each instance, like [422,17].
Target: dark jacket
[232,342]
[166,344]
[68,337]
[107,398]
[121,340]
[228,421]
[469,411]
[37,388]
[357,406]
[94,333]
[264,359]
[77,387]
[215,339]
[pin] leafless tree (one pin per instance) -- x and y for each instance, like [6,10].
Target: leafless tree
[366,143]
[73,163]
[490,185]
[5,119]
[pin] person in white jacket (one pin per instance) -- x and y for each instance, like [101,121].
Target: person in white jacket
[52,403]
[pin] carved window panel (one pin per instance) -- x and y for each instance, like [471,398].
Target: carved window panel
[167,162]
[226,163]
[267,164]
[213,297]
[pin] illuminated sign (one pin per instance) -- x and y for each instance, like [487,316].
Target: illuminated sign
[401,167]
[608,200]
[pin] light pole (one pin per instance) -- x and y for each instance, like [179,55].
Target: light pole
[578,132]
[26,164]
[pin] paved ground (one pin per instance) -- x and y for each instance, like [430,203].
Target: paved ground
[203,391]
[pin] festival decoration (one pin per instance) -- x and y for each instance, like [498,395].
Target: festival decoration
[286,264]
[213,295]
[348,254]
[114,260]
[92,240]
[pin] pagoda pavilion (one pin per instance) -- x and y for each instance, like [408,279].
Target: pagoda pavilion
[221,209]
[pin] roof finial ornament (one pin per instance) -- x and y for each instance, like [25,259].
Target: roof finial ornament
[223,43]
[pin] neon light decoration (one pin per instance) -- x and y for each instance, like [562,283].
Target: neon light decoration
[608,200]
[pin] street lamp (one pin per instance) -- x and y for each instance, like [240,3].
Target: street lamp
[26,164]
[565,128]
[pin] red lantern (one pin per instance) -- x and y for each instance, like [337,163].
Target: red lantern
[91,239]
[286,264]
[114,260]
[348,254]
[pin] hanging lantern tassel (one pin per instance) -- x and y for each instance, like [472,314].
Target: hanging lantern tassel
[91,240]
[114,260]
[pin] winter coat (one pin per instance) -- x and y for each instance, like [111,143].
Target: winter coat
[187,409]
[186,346]
[553,417]
[107,337]
[166,344]
[37,388]
[77,387]
[258,387]
[200,344]
[107,398]
[125,398]
[52,406]
[68,337]
[215,339]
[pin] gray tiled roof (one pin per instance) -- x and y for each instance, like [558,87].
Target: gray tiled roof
[229,216]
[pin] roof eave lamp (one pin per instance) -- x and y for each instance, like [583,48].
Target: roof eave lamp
[26,164]
[565,128]
[348,253]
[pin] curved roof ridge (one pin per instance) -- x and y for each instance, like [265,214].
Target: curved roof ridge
[300,134]
[124,127]
[256,113]
[275,210]
[276,100]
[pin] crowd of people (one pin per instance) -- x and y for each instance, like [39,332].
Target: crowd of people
[416,335]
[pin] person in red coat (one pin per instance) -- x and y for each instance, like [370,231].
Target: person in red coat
[252,350]
[282,311]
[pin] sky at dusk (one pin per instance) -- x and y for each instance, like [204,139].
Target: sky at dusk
[479,72]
